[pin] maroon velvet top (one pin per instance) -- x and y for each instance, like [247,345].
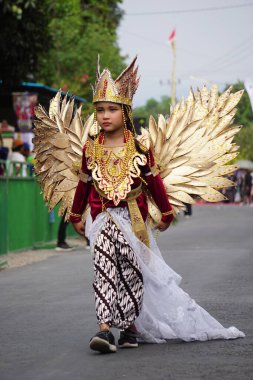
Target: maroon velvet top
[86,193]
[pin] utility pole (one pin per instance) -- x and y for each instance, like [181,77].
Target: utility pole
[172,40]
[173,74]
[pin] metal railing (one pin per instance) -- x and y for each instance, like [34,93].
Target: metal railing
[24,218]
[16,169]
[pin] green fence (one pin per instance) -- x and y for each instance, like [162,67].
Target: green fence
[24,219]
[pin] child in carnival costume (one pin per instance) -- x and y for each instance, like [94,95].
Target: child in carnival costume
[123,180]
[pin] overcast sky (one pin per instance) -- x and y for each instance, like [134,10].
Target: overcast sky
[214,45]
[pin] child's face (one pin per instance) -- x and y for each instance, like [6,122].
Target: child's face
[109,116]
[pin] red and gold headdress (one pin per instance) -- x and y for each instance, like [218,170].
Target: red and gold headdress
[121,90]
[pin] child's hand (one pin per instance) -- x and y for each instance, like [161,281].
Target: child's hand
[161,226]
[79,228]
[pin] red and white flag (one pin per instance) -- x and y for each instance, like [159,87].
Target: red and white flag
[172,35]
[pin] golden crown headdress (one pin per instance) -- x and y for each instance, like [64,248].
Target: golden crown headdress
[121,90]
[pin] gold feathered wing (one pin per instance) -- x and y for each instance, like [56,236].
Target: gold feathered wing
[193,146]
[58,142]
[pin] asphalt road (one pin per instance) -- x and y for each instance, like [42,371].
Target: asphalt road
[47,310]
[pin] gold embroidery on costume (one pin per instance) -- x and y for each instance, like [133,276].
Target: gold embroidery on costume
[138,226]
[167,213]
[114,168]
[120,90]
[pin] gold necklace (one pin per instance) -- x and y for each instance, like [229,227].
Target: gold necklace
[112,178]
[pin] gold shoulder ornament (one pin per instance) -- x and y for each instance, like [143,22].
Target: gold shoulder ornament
[193,146]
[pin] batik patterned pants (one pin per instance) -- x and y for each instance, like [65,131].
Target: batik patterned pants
[118,281]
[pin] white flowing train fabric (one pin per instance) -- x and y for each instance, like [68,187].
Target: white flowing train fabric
[167,311]
[88,224]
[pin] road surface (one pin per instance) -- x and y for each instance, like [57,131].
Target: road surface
[47,309]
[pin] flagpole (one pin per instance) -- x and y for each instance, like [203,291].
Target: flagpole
[172,40]
[173,73]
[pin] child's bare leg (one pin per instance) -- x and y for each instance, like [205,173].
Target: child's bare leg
[104,326]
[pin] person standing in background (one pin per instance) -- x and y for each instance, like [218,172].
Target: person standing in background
[18,162]
[188,210]
[3,155]
[246,185]
[62,245]
[29,158]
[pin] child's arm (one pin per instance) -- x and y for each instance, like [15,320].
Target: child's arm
[81,194]
[158,192]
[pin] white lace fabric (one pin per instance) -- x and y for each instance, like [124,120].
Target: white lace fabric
[167,311]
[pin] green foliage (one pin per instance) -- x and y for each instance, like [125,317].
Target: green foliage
[24,36]
[57,43]
[244,114]
[244,117]
[106,11]
[245,140]
[80,31]
[153,107]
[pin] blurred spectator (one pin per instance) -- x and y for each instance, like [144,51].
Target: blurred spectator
[29,158]
[251,192]
[237,198]
[230,192]
[5,127]
[246,187]
[239,190]
[188,210]
[16,157]
[3,156]
[7,132]
[62,245]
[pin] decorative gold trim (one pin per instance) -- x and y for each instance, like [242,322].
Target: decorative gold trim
[112,98]
[120,90]
[138,225]
[133,194]
[73,214]
[167,213]
[114,171]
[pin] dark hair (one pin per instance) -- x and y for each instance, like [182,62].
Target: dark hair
[130,126]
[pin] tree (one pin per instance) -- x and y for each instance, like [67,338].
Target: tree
[153,107]
[244,114]
[24,36]
[107,11]
[80,30]
[244,117]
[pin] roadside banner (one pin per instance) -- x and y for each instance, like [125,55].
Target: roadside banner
[24,103]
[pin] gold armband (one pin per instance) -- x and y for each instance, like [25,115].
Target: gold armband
[73,214]
[167,213]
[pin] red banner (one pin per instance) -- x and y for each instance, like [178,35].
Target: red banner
[24,103]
